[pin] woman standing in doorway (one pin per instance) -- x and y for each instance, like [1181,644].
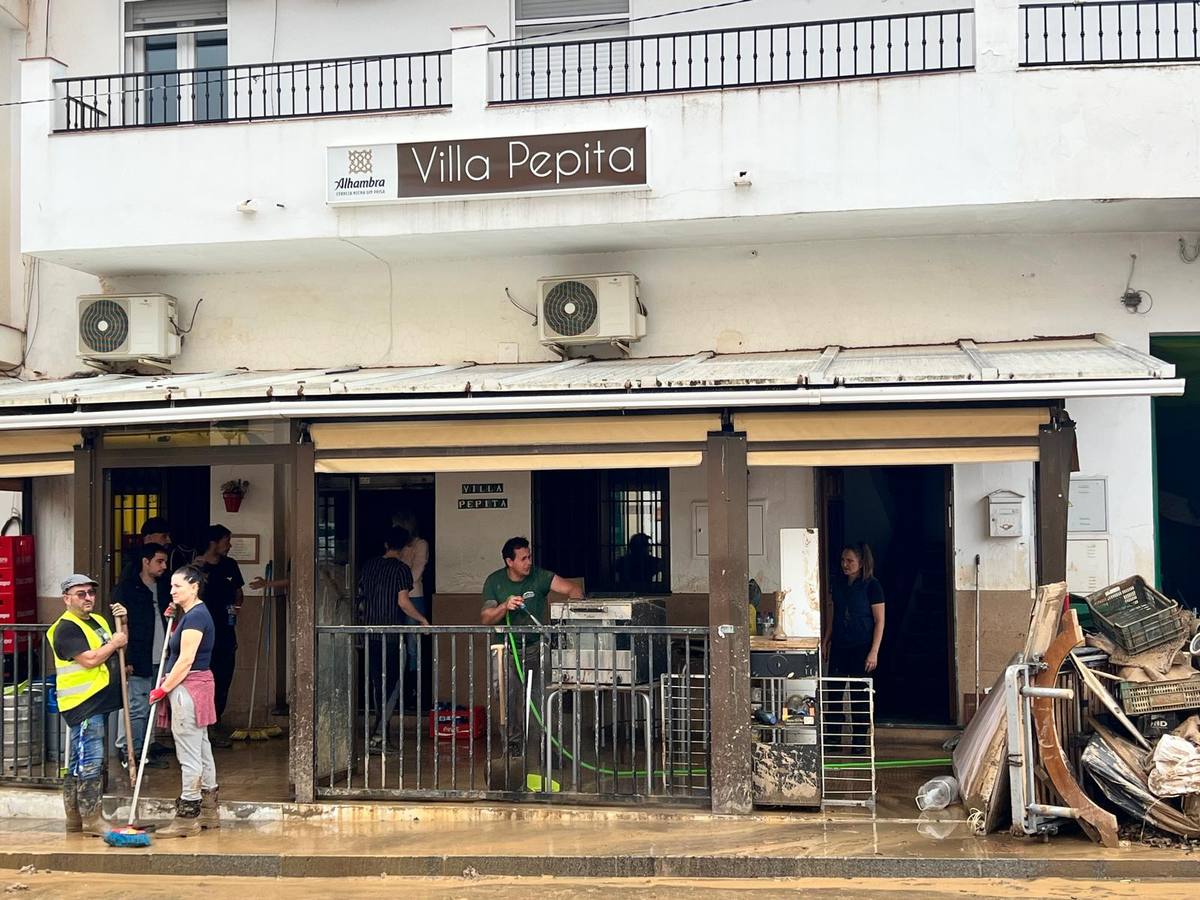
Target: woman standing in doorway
[852,643]
[190,689]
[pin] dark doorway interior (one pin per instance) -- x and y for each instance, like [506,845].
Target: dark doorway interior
[900,511]
[1176,436]
[178,493]
[382,497]
[608,527]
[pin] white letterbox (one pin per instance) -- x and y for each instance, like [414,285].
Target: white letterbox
[1005,514]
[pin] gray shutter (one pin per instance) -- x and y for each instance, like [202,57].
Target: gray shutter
[150,14]
[569,9]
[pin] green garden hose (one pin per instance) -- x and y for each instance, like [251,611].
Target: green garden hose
[638,773]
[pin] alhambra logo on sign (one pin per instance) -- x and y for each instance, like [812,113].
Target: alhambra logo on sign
[357,174]
[526,163]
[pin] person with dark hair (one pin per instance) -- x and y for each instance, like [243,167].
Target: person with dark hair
[145,601]
[518,592]
[190,688]
[382,598]
[855,627]
[223,596]
[415,555]
[639,569]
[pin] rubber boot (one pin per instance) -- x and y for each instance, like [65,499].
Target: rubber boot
[71,805]
[89,794]
[210,809]
[186,822]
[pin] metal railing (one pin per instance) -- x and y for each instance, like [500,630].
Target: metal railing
[32,734]
[591,713]
[1111,32]
[253,92]
[752,56]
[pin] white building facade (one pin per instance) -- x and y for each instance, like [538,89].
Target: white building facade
[789,182]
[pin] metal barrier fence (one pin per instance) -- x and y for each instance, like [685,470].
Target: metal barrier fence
[557,713]
[1111,32]
[865,47]
[32,734]
[247,93]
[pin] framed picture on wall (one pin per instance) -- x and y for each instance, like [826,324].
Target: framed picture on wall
[243,548]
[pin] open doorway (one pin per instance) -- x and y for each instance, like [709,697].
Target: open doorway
[1176,434]
[900,511]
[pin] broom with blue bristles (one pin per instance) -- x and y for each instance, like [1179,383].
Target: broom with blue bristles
[132,835]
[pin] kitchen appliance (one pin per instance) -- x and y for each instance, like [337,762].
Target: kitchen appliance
[604,657]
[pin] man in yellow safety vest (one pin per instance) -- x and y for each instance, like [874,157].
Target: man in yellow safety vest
[89,687]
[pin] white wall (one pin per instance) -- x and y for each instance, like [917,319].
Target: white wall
[1006,564]
[1115,440]
[54,539]
[469,541]
[787,496]
[256,515]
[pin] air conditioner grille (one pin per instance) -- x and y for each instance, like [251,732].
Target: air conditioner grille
[570,308]
[104,326]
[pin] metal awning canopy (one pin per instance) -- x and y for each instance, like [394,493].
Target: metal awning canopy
[965,371]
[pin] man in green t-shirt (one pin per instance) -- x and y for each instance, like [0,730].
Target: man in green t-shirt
[505,595]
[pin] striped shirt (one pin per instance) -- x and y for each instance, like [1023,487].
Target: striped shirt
[379,585]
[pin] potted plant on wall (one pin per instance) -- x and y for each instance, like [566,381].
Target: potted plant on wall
[232,493]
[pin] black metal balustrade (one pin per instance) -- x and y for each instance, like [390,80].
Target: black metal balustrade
[1112,32]
[253,92]
[595,713]
[866,47]
[32,734]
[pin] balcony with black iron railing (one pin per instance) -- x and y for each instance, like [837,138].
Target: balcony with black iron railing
[1113,32]
[255,92]
[750,56]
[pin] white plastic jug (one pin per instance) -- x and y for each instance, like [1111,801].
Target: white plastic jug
[938,793]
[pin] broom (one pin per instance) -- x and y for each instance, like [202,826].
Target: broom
[131,835]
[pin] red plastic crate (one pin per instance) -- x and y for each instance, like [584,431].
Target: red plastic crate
[18,640]
[17,554]
[459,724]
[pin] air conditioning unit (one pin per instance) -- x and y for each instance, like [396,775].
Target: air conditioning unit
[590,309]
[128,327]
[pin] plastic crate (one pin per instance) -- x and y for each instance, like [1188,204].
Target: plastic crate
[1136,616]
[1160,696]
[459,724]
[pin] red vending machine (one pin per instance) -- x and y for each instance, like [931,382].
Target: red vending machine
[18,589]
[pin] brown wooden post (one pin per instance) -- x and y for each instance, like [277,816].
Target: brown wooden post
[729,636]
[86,486]
[302,612]
[1056,461]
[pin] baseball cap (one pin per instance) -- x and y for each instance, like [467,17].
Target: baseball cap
[77,580]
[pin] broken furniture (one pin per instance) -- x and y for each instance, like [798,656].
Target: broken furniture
[784,701]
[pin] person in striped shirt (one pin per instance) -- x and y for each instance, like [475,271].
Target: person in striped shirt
[383,598]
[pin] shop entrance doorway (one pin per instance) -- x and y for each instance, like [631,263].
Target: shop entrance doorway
[1176,434]
[902,513]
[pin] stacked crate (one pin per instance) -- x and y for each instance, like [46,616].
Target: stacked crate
[18,589]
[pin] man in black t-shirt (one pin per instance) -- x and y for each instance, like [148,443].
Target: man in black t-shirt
[222,595]
[88,684]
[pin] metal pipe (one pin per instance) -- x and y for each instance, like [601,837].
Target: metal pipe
[1050,692]
[977,566]
[615,401]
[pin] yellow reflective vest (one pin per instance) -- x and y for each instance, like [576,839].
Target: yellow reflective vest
[76,683]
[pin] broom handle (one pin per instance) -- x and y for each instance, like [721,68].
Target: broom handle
[162,664]
[121,621]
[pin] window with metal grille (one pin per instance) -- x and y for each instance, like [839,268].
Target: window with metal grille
[584,59]
[612,527]
[136,496]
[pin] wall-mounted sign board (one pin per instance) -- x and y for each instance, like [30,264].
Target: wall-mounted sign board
[374,173]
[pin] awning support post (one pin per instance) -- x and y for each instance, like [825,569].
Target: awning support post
[302,617]
[729,636]
[1057,459]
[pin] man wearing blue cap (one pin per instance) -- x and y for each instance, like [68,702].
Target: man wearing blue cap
[85,649]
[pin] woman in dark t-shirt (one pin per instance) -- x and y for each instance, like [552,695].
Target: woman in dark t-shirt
[856,630]
[190,688]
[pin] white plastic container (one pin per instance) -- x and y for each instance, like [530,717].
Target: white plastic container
[938,793]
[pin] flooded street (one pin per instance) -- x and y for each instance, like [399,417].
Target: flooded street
[77,886]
